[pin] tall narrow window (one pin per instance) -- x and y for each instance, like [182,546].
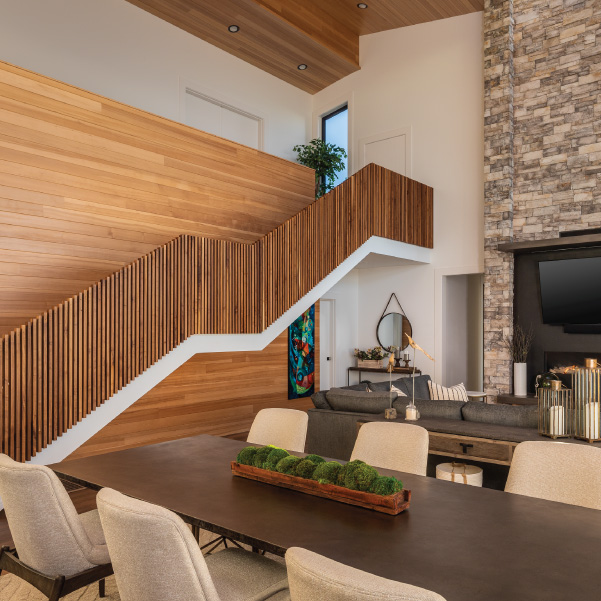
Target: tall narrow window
[334,130]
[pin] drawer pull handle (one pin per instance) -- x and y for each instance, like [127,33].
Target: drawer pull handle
[465,446]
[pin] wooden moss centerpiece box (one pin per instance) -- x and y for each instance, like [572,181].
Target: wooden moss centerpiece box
[391,504]
[369,363]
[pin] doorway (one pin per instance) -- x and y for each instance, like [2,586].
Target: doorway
[327,344]
[463,331]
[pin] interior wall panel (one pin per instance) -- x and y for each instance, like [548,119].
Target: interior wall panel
[88,185]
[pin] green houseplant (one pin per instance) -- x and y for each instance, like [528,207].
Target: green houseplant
[326,159]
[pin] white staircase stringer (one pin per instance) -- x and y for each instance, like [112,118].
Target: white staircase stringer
[66,444]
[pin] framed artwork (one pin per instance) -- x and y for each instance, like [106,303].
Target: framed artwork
[301,355]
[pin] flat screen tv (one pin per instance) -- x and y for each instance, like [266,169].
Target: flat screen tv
[571,291]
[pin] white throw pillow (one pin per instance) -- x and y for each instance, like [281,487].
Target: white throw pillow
[442,393]
[399,392]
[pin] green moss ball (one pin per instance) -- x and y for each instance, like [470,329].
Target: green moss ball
[347,471]
[274,457]
[261,455]
[385,485]
[327,472]
[315,459]
[305,468]
[287,465]
[361,477]
[247,455]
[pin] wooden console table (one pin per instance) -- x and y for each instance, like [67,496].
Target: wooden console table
[407,371]
[510,399]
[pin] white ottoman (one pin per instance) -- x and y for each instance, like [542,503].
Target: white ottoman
[460,472]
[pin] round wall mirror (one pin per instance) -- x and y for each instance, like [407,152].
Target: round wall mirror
[391,331]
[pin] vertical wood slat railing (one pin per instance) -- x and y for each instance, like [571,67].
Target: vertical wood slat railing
[60,366]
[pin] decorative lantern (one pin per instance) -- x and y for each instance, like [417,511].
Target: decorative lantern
[586,383]
[555,411]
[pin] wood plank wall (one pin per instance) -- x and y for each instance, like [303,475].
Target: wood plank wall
[88,185]
[60,366]
[212,393]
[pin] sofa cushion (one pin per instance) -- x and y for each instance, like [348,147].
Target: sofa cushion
[385,387]
[421,386]
[360,402]
[501,415]
[320,400]
[432,409]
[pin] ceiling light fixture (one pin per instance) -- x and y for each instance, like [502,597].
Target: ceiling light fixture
[302,67]
[233,29]
[361,5]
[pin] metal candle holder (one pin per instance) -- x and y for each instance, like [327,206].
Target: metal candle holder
[555,411]
[586,383]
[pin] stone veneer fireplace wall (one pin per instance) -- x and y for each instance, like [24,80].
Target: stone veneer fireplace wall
[542,136]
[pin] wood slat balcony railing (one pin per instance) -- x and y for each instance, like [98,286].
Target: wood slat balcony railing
[60,366]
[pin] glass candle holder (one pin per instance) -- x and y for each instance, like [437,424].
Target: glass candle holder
[555,411]
[586,383]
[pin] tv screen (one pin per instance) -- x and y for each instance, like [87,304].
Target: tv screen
[571,291]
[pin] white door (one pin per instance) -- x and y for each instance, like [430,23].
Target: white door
[391,150]
[327,344]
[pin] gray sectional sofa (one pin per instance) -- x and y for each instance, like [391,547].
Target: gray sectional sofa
[472,430]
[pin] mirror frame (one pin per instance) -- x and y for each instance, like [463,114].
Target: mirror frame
[378,329]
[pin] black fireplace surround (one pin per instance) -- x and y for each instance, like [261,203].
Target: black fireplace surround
[552,346]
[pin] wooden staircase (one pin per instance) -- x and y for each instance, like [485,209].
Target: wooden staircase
[63,364]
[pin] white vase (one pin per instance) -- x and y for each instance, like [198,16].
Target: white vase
[519,379]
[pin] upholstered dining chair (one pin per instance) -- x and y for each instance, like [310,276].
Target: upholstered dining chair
[155,558]
[56,550]
[557,471]
[399,447]
[312,577]
[285,428]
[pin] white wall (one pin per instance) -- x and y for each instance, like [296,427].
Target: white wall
[428,78]
[346,296]
[115,49]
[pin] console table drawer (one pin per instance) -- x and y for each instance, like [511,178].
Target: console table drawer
[483,449]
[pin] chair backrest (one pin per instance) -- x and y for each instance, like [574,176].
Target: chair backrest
[285,428]
[400,447]
[311,577]
[154,555]
[564,472]
[47,532]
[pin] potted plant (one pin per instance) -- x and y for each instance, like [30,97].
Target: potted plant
[372,357]
[519,346]
[326,159]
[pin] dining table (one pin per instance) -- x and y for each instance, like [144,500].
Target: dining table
[464,542]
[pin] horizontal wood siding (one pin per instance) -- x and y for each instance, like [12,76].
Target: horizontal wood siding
[88,185]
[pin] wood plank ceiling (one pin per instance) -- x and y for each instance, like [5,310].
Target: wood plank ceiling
[279,35]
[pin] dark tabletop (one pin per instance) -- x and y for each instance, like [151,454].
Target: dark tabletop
[465,543]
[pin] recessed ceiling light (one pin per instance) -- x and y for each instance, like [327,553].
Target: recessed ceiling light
[302,67]
[361,5]
[233,29]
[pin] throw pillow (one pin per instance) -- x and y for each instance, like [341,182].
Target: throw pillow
[384,387]
[442,393]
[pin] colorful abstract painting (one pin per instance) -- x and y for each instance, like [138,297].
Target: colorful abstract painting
[301,356]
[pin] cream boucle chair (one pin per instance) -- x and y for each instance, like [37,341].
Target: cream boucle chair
[156,558]
[285,428]
[556,471]
[315,578]
[57,551]
[399,447]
